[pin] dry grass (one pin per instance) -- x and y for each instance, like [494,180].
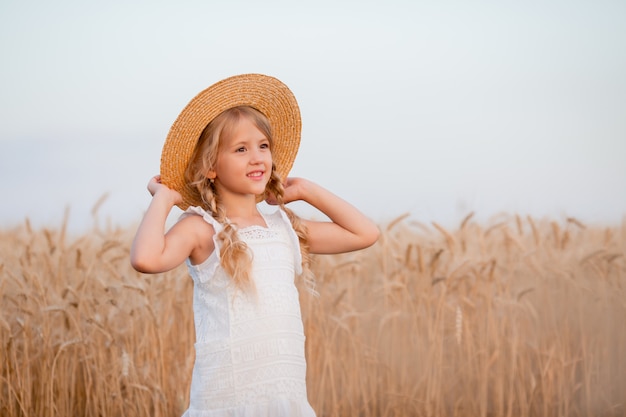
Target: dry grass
[517,318]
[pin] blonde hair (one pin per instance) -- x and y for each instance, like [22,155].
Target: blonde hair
[235,256]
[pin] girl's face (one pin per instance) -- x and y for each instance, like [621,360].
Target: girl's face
[244,160]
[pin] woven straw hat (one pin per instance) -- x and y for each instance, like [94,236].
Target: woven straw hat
[261,92]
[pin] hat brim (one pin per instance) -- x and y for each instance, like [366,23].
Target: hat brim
[261,92]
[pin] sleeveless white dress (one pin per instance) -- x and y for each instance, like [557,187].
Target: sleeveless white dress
[250,347]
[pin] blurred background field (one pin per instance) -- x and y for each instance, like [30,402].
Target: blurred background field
[516,316]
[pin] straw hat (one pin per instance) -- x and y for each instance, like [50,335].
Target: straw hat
[266,94]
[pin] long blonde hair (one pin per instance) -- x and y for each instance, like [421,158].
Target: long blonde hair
[235,255]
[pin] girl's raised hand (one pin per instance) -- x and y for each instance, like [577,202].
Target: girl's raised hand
[155,185]
[292,192]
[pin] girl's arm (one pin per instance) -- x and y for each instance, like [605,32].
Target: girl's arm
[155,251]
[348,230]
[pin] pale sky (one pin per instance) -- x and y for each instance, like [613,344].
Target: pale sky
[436,108]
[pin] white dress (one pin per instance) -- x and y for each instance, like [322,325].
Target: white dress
[250,348]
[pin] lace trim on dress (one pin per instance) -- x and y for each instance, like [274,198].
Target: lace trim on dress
[256,233]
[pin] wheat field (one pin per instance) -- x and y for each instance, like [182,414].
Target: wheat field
[514,317]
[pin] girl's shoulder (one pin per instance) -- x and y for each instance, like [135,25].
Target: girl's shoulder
[198,223]
[277,216]
[277,220]
[199,215]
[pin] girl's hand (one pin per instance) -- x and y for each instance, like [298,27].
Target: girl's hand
[156,186]
[292,191]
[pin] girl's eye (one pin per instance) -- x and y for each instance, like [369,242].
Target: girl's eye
[242,149]
[265,146]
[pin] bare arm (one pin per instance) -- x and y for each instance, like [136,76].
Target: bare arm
[155,251]
[348,229]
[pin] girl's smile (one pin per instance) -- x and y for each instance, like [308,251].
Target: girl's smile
[257,175]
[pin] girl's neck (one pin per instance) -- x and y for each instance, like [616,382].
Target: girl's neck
[243,212]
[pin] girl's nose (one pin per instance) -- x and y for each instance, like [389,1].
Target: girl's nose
[256,156]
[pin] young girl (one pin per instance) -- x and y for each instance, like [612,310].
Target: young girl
[226,152]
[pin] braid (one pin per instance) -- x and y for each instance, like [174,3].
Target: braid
[275,187]
[236,258]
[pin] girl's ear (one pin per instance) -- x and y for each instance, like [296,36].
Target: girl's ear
[211,175]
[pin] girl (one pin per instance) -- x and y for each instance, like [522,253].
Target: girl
[226,152]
